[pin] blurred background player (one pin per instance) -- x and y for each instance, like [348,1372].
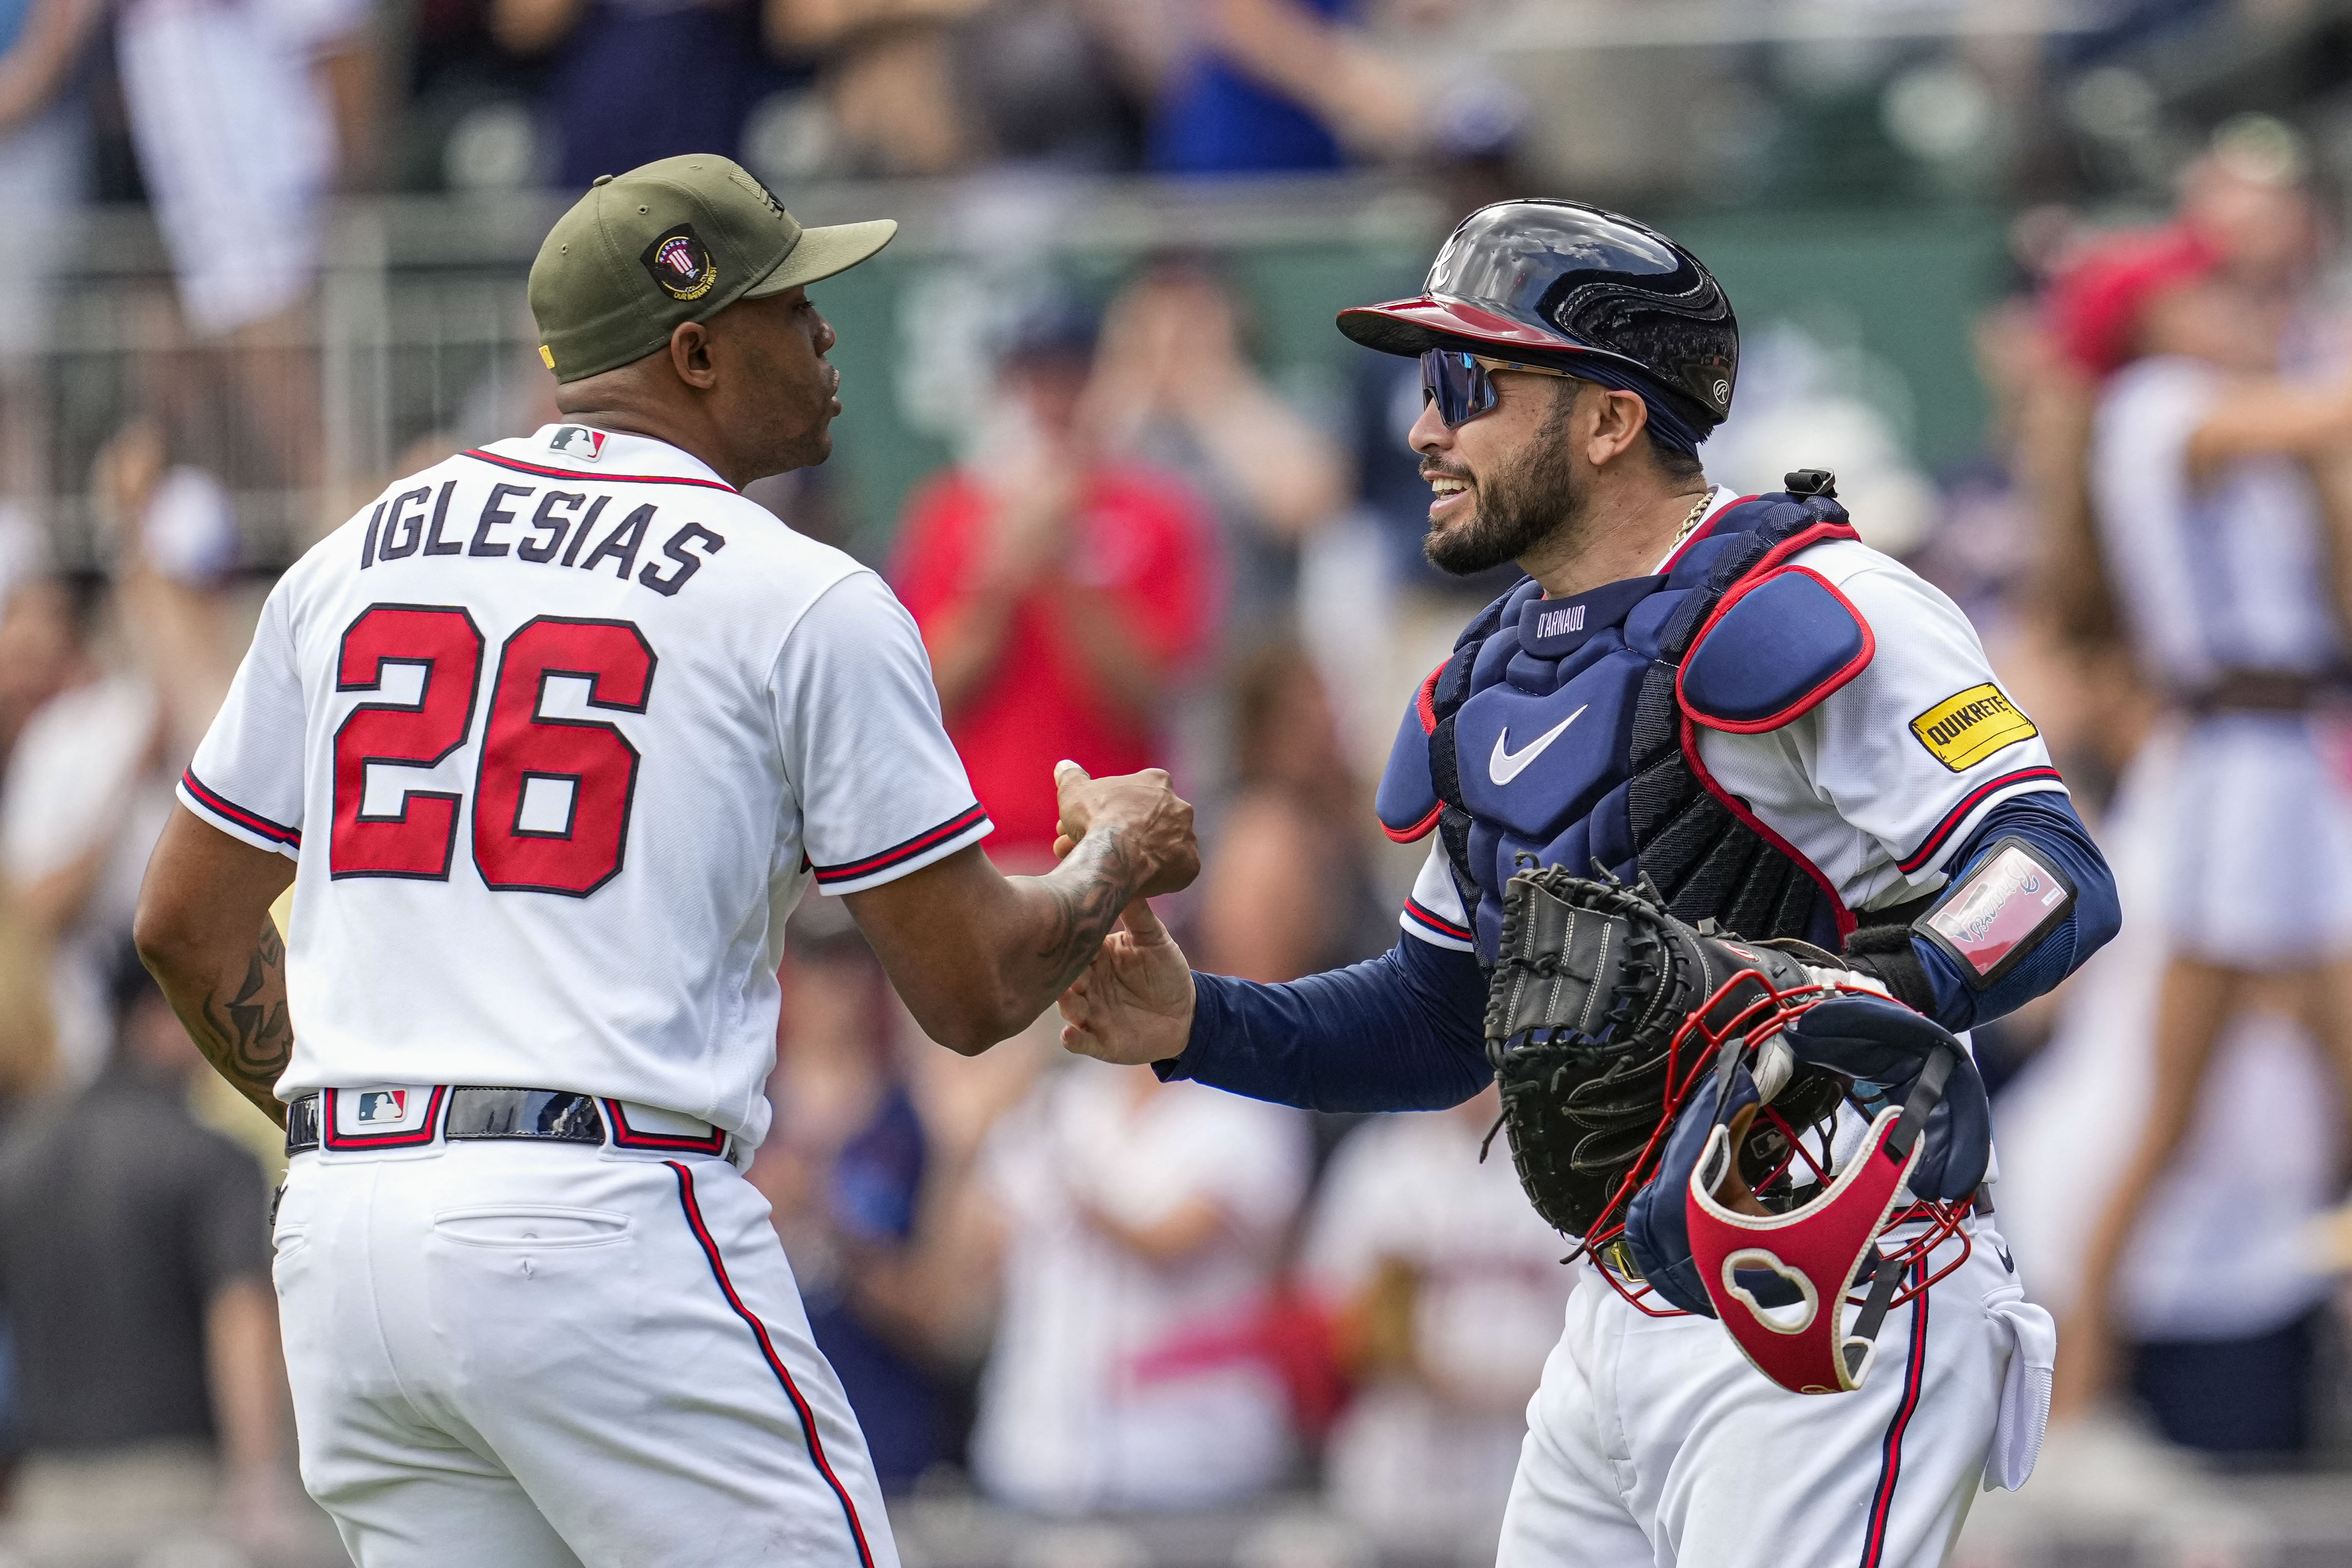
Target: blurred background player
[1449,1293]
[134,1260]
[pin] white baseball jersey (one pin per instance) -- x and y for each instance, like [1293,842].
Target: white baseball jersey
[1429,1458]
[564,728]
[1881,781]
[1099,1394]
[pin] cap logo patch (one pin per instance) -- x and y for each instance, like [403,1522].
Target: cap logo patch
[1969,726]
[577,441]
[751,184]
[681,263]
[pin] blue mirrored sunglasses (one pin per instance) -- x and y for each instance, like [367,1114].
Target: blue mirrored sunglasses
[1458,382]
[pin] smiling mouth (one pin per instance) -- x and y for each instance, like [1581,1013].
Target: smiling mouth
[1446,491]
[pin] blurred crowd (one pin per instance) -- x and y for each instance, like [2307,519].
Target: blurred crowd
[1070,1289]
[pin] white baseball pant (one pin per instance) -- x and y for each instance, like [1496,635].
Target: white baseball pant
[549,1355]
[1653,1442]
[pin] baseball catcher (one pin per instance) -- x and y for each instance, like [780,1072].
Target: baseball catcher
[1733,832]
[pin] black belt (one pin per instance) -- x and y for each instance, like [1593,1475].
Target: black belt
[547,1113]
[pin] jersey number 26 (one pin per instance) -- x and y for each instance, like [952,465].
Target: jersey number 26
[552,796]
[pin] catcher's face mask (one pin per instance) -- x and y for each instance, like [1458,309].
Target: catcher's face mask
[1785,1284]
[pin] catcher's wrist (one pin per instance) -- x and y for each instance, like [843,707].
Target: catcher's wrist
[1169,1068]
[1899,969]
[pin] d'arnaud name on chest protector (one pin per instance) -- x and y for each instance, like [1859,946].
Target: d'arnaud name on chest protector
[1562,728]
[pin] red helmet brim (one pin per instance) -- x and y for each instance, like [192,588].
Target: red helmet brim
[1412,327]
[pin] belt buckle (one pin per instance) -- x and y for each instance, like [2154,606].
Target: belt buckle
[382,1116]
[561,1115]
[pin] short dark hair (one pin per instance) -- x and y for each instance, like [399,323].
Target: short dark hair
[1673,462]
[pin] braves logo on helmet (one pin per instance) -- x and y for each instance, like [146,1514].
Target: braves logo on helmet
[681,263]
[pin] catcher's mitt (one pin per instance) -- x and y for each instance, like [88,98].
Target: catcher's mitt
[1592,985]
[1661,1085]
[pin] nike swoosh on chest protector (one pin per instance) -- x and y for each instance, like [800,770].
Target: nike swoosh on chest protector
[1505,764]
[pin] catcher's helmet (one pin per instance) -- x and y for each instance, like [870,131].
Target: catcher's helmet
[1554,282]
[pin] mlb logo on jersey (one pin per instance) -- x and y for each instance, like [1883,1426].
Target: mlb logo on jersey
[577,441]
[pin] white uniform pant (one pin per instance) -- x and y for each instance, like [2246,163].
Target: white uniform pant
[543,1355]
[1653,1442]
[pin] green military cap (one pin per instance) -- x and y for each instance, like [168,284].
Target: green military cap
[676,240]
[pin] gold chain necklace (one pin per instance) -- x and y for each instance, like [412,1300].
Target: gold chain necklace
[1691,521]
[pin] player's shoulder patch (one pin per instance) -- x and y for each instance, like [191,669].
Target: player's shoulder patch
[1969,726]
[1772,650]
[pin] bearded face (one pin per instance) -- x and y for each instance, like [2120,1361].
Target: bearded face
[1518,504]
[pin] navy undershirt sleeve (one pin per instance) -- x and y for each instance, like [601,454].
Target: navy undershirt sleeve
[2046,820]
[1404,1031]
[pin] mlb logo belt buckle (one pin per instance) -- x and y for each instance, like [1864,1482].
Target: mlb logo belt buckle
[382,1116]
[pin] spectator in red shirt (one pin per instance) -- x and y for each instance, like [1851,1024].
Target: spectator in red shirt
[1059,592]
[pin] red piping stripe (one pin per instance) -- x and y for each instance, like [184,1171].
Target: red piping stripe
[1968,802]
[887,858]
[625,1137]
[1418,830]
[1425,704]
[214,802]
[1804,539]
[410,1138]
[523,468]
[768,1350]
[1421,913]
[1890,1463]
[1705,526]
[1813,698]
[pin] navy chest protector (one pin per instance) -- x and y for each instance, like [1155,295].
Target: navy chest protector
[1564,728]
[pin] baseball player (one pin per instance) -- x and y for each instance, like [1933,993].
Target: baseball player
[1737,706]
[550,738]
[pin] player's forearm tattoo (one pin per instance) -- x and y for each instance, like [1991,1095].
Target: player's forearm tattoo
[1088,891]
[248,1037]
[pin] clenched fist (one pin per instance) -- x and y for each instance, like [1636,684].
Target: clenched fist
[1154,824]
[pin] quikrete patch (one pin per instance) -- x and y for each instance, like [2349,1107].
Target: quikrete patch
[1964,728]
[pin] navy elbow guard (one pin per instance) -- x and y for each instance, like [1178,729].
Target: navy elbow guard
[2012,926]
[1991,920]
